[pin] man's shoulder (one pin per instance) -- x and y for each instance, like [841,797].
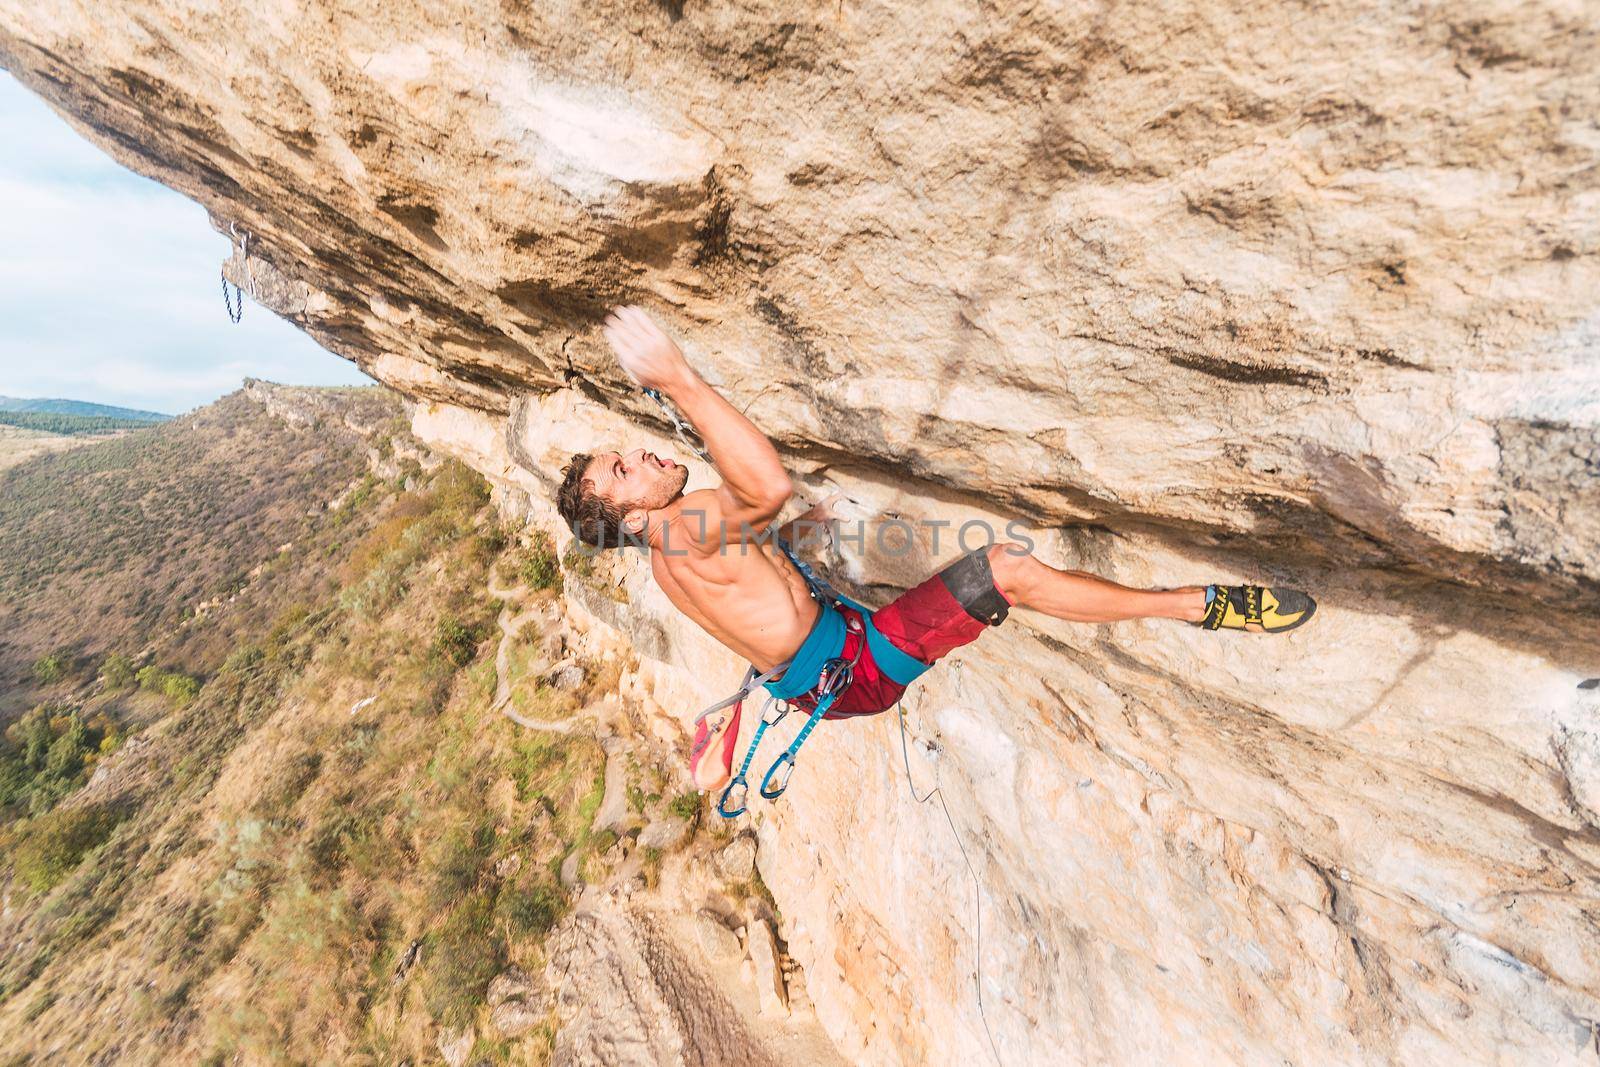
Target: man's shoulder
[697,523]
[696,517]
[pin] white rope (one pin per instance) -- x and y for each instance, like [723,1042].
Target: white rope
[977,892]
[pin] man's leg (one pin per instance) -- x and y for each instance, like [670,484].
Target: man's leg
[1079,597]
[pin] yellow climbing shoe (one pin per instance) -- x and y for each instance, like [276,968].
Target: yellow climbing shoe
[1257,608]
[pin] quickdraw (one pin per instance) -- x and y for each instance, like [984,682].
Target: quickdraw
[682,429]
[836,676]
[235,303]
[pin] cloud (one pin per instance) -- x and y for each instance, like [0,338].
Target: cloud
[109,285]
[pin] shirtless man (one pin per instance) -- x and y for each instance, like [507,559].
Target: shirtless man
[713,553]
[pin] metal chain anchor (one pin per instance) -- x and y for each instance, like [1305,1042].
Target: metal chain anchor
[237,313]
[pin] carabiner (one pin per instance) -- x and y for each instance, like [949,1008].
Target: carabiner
[786,762]
[774,710]
[836,677]
[722,803]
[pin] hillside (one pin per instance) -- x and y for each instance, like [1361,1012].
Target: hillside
[105,546]
[30,428]
[393,809]
[18,445]
[84,408]
[56,423]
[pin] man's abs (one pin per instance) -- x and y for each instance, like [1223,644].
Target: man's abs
[748,597]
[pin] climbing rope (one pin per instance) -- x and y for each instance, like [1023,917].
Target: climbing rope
[682,428]
[977,893]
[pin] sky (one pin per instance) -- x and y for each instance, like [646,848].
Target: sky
[109,285]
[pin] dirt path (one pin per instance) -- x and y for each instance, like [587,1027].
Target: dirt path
[510,624]
[613,811]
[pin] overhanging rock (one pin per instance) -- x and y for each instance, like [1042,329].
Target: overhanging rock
[1299,294]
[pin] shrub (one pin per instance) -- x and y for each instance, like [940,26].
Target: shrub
[65,756]
[15,779]
[50,669]
[463,957]
[117,672]
[455,641]
[459,861]
[650,863]
[531,912]
[457,487]
[33,736]
[55,667]
[685,805]
[174,685]
[540,568]
[48,750]
[489,544]
[576,561]
[56,843]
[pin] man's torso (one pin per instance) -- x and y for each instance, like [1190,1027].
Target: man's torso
[746,595]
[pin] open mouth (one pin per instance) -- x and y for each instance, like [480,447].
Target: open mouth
[658,461]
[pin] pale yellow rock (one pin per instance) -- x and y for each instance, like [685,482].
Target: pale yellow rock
[1247,848]
[1191,292]
[765,970]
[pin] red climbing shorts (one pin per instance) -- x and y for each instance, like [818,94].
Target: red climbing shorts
[943,613]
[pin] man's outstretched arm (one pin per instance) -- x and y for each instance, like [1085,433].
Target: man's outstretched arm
[755,486]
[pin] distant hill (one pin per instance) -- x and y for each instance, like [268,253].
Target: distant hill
[56,406]
[63,423]
[195,827]
[105,546]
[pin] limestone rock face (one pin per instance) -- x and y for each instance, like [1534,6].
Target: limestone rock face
[1187,293]
[626,997]
[764,962]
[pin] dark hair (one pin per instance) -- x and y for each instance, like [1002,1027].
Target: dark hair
[593,519]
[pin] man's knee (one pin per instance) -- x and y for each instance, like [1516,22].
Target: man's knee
[988,581]
[1010,564]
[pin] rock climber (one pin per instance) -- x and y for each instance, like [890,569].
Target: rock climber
[715,555]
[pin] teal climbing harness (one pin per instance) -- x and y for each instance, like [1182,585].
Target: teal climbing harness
[811,672]
[833,679]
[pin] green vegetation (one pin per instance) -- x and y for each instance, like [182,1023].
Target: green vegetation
[46,753]
[56,843]
[325,787]
[58,406]
[418,525]
[651,865]
[109,545]
[577,562]
[580,563]
[117,672]
[58,422]
[456,641]
[490,542]
[466,953]
[356,499]
[686,805]
[174,685]
[55,667]
[535,564]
